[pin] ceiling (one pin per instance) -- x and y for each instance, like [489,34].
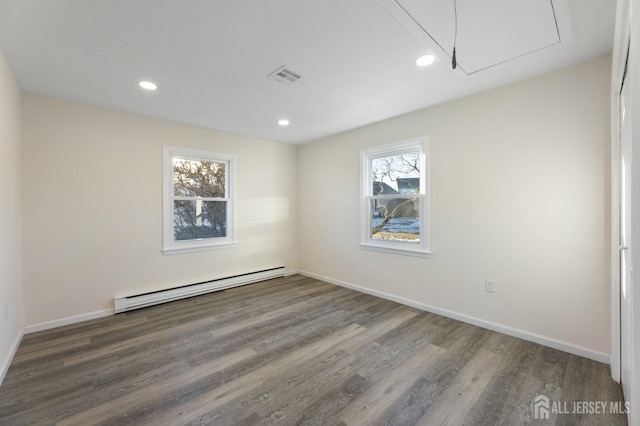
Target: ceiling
[213,61]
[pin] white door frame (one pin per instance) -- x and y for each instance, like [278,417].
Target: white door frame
[620,54]
[627,34]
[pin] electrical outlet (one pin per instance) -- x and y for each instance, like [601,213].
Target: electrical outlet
[490,286]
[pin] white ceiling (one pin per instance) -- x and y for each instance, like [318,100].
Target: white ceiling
[211,58]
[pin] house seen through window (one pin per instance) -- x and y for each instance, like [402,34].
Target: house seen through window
[394,203]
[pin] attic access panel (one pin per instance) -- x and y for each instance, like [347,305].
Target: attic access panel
[490,32]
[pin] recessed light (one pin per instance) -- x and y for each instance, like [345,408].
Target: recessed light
[283,122]
[148,85]
[425,60]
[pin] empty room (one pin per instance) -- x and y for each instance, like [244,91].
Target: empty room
[357,212]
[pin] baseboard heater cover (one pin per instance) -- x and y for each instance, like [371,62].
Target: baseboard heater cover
[123,304]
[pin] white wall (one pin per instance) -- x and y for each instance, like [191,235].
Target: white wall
[93,207]
[519,183]
[11,309]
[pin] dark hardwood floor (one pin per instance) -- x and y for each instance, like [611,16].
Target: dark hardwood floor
[295,350]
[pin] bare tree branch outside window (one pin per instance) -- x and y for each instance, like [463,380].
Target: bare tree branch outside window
[395,201]
[200,208]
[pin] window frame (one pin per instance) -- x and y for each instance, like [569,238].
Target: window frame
[421,249]
[169,244]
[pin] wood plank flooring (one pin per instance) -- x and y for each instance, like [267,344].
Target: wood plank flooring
[294,350]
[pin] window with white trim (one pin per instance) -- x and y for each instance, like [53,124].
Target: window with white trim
[199,192]
[394,203]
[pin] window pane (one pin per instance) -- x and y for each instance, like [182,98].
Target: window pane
[396,174]
[195,219]
[198,178]
[396,219]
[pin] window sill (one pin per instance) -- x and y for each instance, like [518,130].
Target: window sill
[182,250]
[403,252]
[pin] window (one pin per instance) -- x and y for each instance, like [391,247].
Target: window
[198,200]
[394,204]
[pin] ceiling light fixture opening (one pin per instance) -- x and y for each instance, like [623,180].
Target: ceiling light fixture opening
[425,60]
[283,122]
[148,85]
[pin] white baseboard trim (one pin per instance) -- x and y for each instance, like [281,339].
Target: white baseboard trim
[290,272]
[66,321]
[9,359]
[500,328]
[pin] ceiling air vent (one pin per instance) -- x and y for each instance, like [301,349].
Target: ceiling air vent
[284,76]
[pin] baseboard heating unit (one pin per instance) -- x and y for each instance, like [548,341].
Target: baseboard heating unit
[122,304]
